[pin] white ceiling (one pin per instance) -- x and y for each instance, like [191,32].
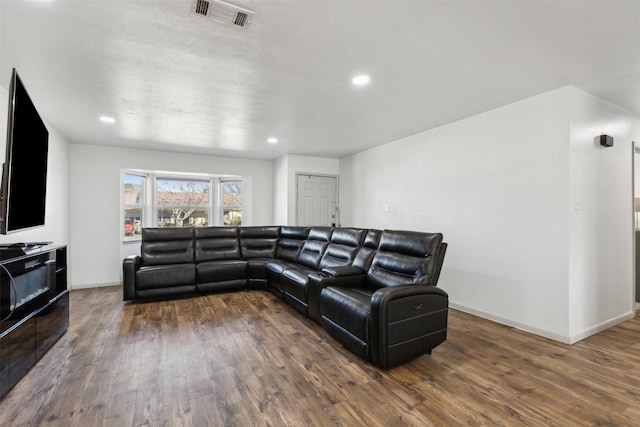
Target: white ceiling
[177,81]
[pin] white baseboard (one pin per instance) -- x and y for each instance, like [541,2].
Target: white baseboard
[571,339]
[601,327]
[510,322]
[95,285]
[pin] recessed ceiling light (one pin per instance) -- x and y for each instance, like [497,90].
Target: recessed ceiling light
[107,119]
[361,80]
[272,140]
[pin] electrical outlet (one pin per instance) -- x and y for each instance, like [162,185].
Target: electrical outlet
[388,208]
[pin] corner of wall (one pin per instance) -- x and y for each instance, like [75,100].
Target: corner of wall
[280,190]
[600,211]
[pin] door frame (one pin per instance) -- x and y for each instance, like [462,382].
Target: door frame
[635,151]
[322,175]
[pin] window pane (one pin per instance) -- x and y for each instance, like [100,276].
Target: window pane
[180,217]
[179,201]
[133,186]
[133,222]
[133,202]
[183,193]
[231,202]
[232,194]
[232,217]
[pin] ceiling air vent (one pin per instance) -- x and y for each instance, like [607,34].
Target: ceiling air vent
[241,19]
[201,7]
[222,12]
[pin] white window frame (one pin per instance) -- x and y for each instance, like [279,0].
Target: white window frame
[142,206]
[150,206]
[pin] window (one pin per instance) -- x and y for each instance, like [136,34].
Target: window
[161,199]
[133,202]
[231,202]
[182,202]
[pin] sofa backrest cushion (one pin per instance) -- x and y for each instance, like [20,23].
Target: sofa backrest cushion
[290,242]
[348,236]
[404,257]
[368,250]
[343,247]
[259,241]
[217,243]
[372,239]
[161,246]
[314,247]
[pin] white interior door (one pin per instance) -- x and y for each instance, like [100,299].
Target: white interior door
[316,200]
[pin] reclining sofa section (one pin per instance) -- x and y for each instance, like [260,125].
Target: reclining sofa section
[373,291]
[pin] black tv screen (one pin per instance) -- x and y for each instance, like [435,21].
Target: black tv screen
[24,174]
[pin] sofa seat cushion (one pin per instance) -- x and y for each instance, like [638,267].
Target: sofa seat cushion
[276,267]
[273,273]
[294,281]
[256,267]
[165,276]
[348,308]
[221,270]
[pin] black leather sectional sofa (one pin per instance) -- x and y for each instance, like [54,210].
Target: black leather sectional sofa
[374,291]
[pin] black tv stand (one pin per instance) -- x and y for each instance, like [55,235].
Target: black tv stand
[38,243]
[13,250]
[24,244]
[34,310]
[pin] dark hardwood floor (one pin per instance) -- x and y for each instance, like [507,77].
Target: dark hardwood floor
[248,359]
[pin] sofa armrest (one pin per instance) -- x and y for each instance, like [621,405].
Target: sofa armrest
[130,265]
[342,271]
[406,321]
[318,281]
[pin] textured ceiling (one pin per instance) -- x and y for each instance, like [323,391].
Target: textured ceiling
[176,81]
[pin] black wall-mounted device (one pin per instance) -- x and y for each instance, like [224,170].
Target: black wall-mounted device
[605,140]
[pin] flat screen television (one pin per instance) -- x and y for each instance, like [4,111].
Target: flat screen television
[24,172]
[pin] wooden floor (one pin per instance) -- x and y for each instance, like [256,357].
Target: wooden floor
[248,359]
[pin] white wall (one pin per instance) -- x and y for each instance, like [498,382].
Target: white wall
[285,170]
[96,243]
[601,215]
[56,228]
[1,39]
[280,196]
[498,185]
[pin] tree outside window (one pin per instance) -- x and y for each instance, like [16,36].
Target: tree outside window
[231,202]
[182,202]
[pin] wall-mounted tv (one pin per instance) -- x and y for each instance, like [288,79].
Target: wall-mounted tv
[24,172]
